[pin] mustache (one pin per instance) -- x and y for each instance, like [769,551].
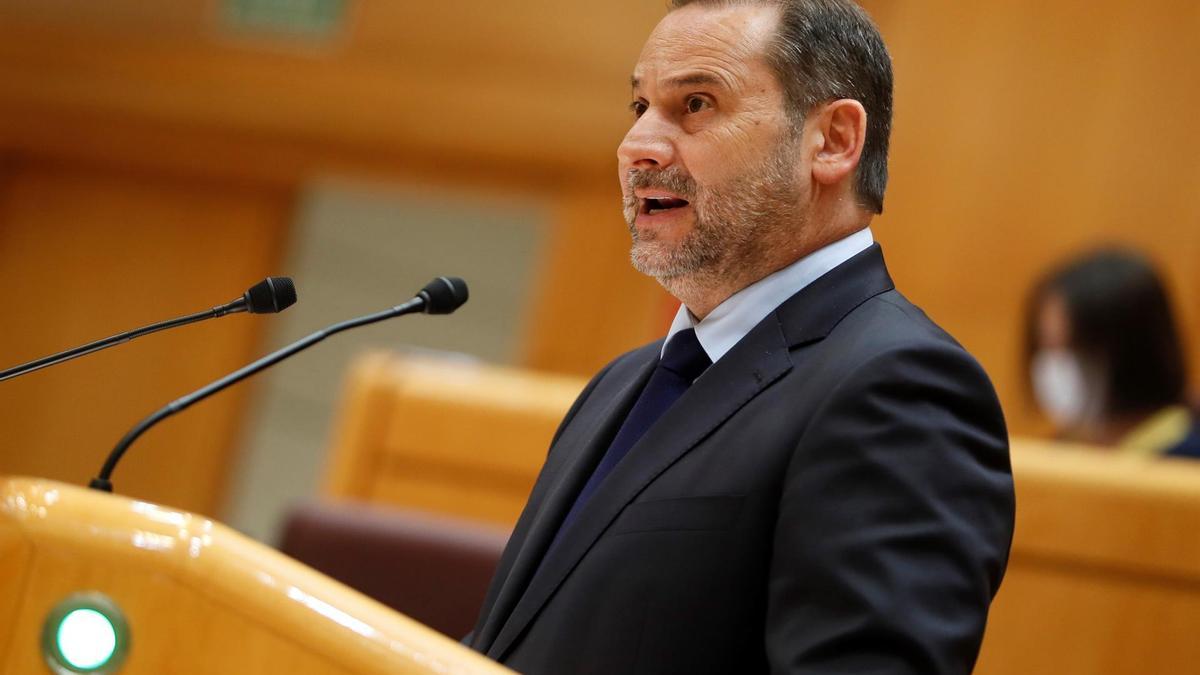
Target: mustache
[672,179]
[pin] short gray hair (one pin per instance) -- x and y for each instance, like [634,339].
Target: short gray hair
[827,50]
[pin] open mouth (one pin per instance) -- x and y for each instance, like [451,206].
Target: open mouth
[653,206]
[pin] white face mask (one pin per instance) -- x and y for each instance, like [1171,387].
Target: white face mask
[1060,387]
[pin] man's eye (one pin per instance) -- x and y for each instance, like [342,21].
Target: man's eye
[695,104]
[638,108]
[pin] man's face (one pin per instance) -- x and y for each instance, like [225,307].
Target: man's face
[709,169]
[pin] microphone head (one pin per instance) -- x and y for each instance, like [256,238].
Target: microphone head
[270,296]
[443,295]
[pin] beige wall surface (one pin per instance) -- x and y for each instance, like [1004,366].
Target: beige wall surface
[357,248]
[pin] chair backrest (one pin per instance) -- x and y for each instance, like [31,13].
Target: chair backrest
[1105,568]
[445,435]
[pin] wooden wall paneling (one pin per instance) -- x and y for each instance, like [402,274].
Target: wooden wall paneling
[443,79]
[253,159]
[86,254]
[1024,130]
[520,96]
[591,305]
[1027,131]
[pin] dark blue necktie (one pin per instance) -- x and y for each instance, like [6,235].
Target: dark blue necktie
[682,362]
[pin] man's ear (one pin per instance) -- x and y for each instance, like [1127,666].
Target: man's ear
[842,130]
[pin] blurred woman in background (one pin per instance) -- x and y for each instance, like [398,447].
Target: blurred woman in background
[1105,360]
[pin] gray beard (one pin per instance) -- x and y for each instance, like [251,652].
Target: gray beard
[735,222]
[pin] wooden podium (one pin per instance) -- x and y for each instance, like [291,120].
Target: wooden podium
[195,596]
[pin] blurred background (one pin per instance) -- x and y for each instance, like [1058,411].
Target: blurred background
[157,158]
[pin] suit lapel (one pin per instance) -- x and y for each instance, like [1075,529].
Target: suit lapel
[723,390]
[570,464]
[812,314]
[756,362]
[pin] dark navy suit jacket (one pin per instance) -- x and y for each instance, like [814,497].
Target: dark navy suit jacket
[1190,446]
[834,495]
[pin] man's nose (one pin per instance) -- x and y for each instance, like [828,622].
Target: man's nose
[649,144]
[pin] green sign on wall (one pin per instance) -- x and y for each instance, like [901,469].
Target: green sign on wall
[312,18]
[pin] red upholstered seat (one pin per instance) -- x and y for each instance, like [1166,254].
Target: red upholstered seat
[432,568]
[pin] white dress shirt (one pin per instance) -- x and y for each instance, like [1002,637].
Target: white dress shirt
[726,325]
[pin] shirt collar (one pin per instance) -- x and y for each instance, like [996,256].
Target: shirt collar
[726,325]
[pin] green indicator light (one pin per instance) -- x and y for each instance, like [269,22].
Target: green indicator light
[87,640]
[85,633]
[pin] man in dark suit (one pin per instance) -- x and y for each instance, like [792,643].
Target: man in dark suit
[807,475]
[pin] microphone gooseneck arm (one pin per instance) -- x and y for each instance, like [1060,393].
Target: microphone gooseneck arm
[269,296]
[119,338]
[103,480]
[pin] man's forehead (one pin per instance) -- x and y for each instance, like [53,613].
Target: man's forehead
[691,42]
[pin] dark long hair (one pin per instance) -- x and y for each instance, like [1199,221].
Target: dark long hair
[1120,317]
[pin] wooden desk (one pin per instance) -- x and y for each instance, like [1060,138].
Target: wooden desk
[198,597]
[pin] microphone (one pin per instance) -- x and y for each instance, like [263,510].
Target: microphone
[443,295]
[269,296]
